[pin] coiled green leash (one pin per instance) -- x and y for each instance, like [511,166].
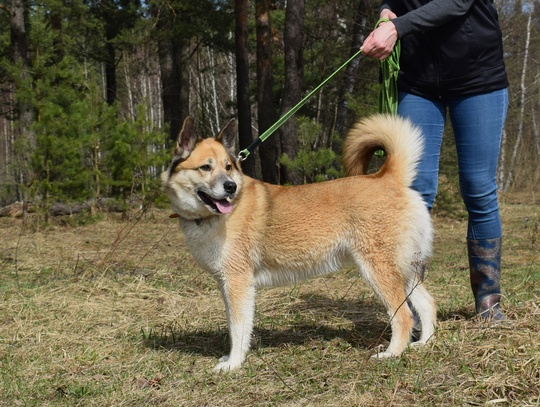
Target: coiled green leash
[388,91]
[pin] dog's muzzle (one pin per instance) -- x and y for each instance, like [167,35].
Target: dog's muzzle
[221,205]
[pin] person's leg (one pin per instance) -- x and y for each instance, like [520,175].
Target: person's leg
[429,116]
[478,123]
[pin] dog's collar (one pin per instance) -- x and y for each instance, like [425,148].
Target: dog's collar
[175,215]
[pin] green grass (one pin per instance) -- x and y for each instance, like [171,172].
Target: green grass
[115,313]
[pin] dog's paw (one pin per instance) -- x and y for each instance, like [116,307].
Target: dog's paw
[418,344]
[224,358]
[225,366]
[384,355]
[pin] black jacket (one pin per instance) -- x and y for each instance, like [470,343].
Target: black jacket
[448,47]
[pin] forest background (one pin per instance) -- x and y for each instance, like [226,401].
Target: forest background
[93,93]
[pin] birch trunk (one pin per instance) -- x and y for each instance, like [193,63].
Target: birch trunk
[127,79]
[519,136]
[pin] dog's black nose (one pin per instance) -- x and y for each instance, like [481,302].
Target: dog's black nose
[229,187]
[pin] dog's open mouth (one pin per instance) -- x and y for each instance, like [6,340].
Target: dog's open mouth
[217,205]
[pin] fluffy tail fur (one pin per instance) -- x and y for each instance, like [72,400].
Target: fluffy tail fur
[401,141]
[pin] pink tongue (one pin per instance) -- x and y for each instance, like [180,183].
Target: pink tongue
[223,206]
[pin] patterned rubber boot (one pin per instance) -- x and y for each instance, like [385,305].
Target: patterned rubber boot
[485,271]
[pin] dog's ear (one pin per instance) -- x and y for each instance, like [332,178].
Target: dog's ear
[187,138]
[227,137]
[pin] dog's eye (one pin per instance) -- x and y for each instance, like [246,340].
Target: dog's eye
[228,167]
[205,167]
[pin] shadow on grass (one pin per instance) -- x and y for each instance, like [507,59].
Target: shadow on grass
[462,313]
[370,328]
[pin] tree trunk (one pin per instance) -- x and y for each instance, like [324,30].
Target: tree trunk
[269,150]
[536,134]
[108,12]
[131,105]
[519,136]
[170,52]
[214,95]
[245,135]
[292,89]
[110,72]
[24,113]
[349,76]
[182,61]
[170,92]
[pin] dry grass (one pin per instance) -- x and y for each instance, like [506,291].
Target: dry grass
[115,313]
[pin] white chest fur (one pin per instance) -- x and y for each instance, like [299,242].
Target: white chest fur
[203,240]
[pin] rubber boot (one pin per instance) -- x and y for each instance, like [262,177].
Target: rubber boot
[485,271]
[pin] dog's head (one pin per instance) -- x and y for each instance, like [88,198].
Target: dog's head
[204,178]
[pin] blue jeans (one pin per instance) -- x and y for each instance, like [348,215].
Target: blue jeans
[477,122]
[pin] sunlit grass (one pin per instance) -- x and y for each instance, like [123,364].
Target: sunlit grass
[117,314]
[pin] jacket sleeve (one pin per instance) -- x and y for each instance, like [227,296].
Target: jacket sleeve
[430,15]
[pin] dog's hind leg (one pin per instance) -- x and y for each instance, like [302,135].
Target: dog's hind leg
[239,298]
[401,321]
[389,284]
[425,308]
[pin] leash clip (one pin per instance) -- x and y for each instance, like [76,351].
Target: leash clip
[242,155]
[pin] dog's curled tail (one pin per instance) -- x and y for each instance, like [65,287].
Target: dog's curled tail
[398,137]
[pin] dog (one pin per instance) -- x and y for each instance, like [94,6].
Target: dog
[249,234]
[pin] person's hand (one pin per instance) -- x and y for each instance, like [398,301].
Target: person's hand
[388,14]
[381,41]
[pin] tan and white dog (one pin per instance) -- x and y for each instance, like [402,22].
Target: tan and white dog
[250,234]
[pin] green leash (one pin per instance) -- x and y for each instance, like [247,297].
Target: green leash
[246,152]
[387,94]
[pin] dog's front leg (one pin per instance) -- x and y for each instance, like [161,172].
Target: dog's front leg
[239,297]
